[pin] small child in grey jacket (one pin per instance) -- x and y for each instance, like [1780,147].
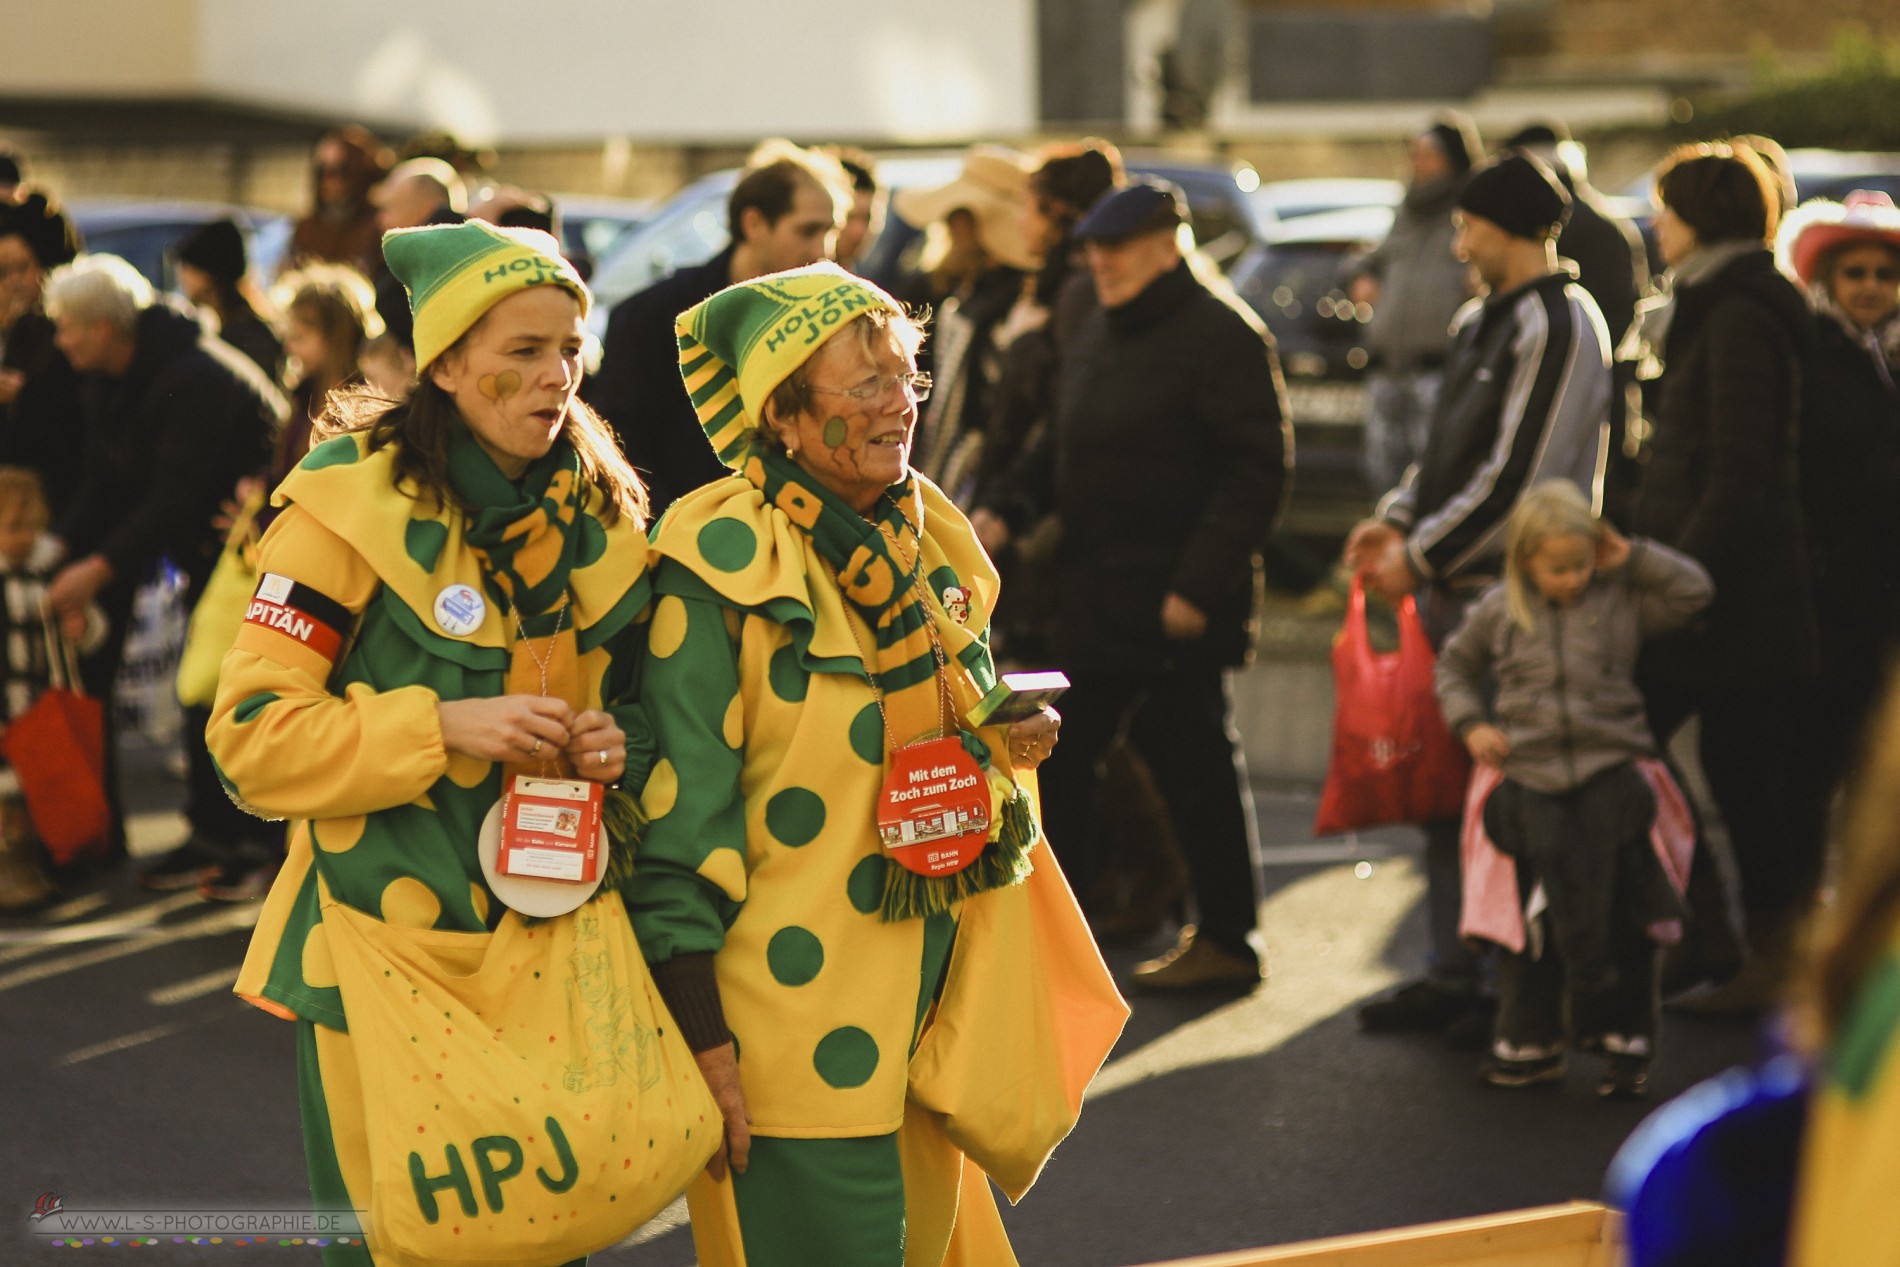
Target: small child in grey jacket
[1558,640]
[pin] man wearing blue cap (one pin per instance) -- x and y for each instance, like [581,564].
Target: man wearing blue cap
[1171,454]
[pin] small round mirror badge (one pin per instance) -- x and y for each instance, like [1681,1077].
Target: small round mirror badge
[459,610]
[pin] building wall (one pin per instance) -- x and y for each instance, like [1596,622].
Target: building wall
[649,70]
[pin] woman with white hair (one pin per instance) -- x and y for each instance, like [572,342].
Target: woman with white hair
[173,416]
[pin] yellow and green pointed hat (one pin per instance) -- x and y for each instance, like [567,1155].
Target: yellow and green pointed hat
[455,273]
[739,345]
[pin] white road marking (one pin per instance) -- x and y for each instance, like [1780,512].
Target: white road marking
[148,835]
[1322,852]
[225,920]
[670,1219]
[124,1042]
[193,988]
[25,942]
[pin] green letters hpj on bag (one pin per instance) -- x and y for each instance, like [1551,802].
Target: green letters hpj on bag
[527,1098]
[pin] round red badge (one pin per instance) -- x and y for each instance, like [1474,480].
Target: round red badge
[933,816]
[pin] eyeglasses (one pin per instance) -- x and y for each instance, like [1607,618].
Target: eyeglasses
[1860,273]
[915,386]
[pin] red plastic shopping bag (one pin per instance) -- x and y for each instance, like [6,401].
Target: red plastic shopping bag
[58,750]
[1394,760]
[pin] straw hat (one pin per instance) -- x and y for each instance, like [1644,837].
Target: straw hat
[1815,228]
[993,186]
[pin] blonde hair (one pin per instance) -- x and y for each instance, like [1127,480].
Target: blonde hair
[1555,508]
[21,486]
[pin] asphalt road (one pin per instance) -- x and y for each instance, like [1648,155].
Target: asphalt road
[132,1079]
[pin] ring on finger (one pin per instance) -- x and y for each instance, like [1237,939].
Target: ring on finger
[536,750]
[602,756]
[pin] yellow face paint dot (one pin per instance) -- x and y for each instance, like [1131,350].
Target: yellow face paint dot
[410,903]
[669,627]
[734,730]
[663,789]
[335,835]
[318,968]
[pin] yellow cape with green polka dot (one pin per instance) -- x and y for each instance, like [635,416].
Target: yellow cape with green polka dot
[1845,1214]
[352,753]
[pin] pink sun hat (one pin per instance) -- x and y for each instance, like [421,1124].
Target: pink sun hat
[1815,228]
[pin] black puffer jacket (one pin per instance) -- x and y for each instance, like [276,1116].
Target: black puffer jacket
[1171,458]
[42,429]
[166,443]
[1721,479]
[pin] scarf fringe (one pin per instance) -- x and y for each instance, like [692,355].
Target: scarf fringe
[1003,862]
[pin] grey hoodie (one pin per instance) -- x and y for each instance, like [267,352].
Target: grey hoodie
[1566,690]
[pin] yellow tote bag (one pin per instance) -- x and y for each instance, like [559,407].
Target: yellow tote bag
[1029,1012]
[219,612]
[528,1097]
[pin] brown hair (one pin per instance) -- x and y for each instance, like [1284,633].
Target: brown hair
[20,485]
[774,174]
[422,423]
[337,302]
[1724,192]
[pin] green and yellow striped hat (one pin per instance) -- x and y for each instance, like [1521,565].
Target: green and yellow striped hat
[455,273]
[737,346]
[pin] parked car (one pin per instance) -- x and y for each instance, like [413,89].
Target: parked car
[143,232]
[593,226]
[690,227]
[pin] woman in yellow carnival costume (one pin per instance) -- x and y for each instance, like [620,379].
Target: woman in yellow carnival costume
[881,1041]
[452,593]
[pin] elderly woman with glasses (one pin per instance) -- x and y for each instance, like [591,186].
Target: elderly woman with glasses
[827,820]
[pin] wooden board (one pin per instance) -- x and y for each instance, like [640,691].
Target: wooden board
[1579,1234]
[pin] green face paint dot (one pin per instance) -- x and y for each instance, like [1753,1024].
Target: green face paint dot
[795,816]
[846,1057]
[835,432]
[795,956]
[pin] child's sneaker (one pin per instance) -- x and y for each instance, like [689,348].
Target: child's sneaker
[1625,1077]
[1512,1068]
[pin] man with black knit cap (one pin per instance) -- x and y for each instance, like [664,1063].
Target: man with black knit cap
[1415,285]
[1525,398]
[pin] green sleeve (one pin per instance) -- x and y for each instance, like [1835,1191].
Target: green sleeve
[620,697]
[689,873]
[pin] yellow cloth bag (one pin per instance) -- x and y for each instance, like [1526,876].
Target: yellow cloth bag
[528,1098]
[1028,1014]
[219,612]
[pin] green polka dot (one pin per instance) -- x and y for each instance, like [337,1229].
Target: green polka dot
[248,709]
[846,1057]
[728,544]
[338,452]
[943,578]
[867,735]
[795,816]
[788,678]
[835,432]
[794,955]
[865,888]
[424,539]
[592,544]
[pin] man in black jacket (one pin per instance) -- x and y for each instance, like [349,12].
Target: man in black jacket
[784,213]
[1526,397]
[174,416]
[1170,459]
